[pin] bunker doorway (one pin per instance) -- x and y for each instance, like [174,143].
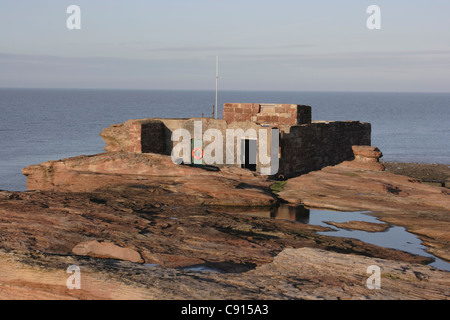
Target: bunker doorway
[248,152]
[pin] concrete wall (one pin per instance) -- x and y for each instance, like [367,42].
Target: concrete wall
[171,125]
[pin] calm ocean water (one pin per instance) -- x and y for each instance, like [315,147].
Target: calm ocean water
[37,125]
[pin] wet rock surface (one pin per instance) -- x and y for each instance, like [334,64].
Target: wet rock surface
[422,209]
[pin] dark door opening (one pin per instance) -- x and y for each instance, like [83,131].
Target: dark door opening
[249,154]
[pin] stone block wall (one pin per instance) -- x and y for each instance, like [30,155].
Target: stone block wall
[312,147]
[238,112]
[271,114]
[153,137]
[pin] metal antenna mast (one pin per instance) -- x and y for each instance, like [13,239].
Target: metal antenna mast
[217,81]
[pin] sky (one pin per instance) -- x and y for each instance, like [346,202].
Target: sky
[287,45]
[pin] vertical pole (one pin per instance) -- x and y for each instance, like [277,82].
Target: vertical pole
[217,80]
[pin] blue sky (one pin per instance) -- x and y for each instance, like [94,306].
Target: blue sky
[262,45]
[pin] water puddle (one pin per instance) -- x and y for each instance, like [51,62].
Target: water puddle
[216,267]
[394,237]
[194,268]
[201,268]
[151,265]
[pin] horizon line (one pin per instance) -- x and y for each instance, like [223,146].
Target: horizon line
[224,90]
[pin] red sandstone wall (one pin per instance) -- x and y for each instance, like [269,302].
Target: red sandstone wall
[273,114]
[235,112]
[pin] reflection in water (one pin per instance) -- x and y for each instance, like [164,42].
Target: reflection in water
[293,213]
[201,268]
[283,212]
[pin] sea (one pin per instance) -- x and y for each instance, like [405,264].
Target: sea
[37,125]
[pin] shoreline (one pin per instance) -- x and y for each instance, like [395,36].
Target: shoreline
[430,173]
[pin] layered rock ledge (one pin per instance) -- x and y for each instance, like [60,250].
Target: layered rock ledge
[113,214]
[230,186]
[304,273]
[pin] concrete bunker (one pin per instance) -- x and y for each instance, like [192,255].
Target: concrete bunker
[304,145]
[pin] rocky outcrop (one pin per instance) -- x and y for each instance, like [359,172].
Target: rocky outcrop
[330,275]
[91,173]
[367,158]
[163,227]
[131,220]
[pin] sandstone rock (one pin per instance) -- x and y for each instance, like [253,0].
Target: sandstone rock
[91,173]
[305,273]
[107,250]
[367,152]
[162,213]
[365,165]
[366,158]
[330,275]
[5,195]
[117,137]
[360,225]
[168,229]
